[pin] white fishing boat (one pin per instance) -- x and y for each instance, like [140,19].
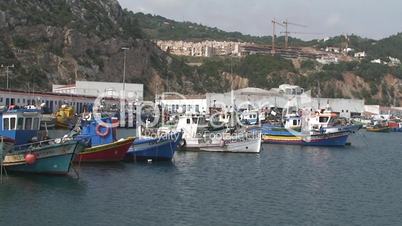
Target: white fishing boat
[198,139]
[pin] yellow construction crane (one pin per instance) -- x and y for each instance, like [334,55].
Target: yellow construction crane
[286,24]
[274,23]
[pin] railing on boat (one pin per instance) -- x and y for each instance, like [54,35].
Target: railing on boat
[23,147]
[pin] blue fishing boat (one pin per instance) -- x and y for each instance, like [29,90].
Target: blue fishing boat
[46,157]
[159,148]
[29,155]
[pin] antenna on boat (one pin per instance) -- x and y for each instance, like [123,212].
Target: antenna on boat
[232,94]
[319,95]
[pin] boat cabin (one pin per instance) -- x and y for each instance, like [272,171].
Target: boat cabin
[190,124]
[95,133]
[323,120]
[292,122]
[250,117]
[22,125]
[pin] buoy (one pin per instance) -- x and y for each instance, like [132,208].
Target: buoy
[30,158]
[100,133]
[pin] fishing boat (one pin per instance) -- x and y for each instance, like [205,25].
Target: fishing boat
[236,144]
[65,118]
[378,129]
[158,148]
[48,122]
[30,155]
[315,130]
[46,157]
[101,141]
[199,139]
[298,138]
[395,126]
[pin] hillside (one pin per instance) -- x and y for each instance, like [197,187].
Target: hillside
[158,27]
[58,41]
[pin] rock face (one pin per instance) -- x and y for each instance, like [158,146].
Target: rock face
[58,41]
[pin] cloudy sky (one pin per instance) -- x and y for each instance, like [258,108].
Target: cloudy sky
[368,18]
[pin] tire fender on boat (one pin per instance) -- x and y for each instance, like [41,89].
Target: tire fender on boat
[182,143]
[102,134]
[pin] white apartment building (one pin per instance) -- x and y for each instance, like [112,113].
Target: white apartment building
[201,49]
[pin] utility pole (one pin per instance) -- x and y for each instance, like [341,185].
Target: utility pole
[7,71]
[124,68]
[123,102]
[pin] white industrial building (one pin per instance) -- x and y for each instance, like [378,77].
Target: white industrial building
[53,101]
[260,99]
[112,89]
[255,98]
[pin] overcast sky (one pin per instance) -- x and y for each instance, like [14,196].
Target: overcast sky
[368,18]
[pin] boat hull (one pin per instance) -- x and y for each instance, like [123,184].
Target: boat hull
[327,139]
[162,148]
[113,152]
[248,146]
[378,130]
[6,145]
[51,159]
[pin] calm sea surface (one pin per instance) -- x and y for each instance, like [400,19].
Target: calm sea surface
[283,185]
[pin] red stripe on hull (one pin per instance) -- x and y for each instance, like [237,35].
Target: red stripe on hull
[272,141]
[108,153]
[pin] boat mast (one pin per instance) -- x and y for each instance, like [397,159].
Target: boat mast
[319,95]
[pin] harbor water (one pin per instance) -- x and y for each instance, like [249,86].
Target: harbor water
[360,184]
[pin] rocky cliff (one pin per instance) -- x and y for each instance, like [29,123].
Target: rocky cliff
[58,41]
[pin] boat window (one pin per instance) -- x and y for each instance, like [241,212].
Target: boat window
[188,121]
[36,124]
[20,123]
[295,122]
[324,119]
[12,123]
[6,125]
[28,123]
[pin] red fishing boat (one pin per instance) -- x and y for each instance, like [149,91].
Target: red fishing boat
[107,152]
[100,140]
